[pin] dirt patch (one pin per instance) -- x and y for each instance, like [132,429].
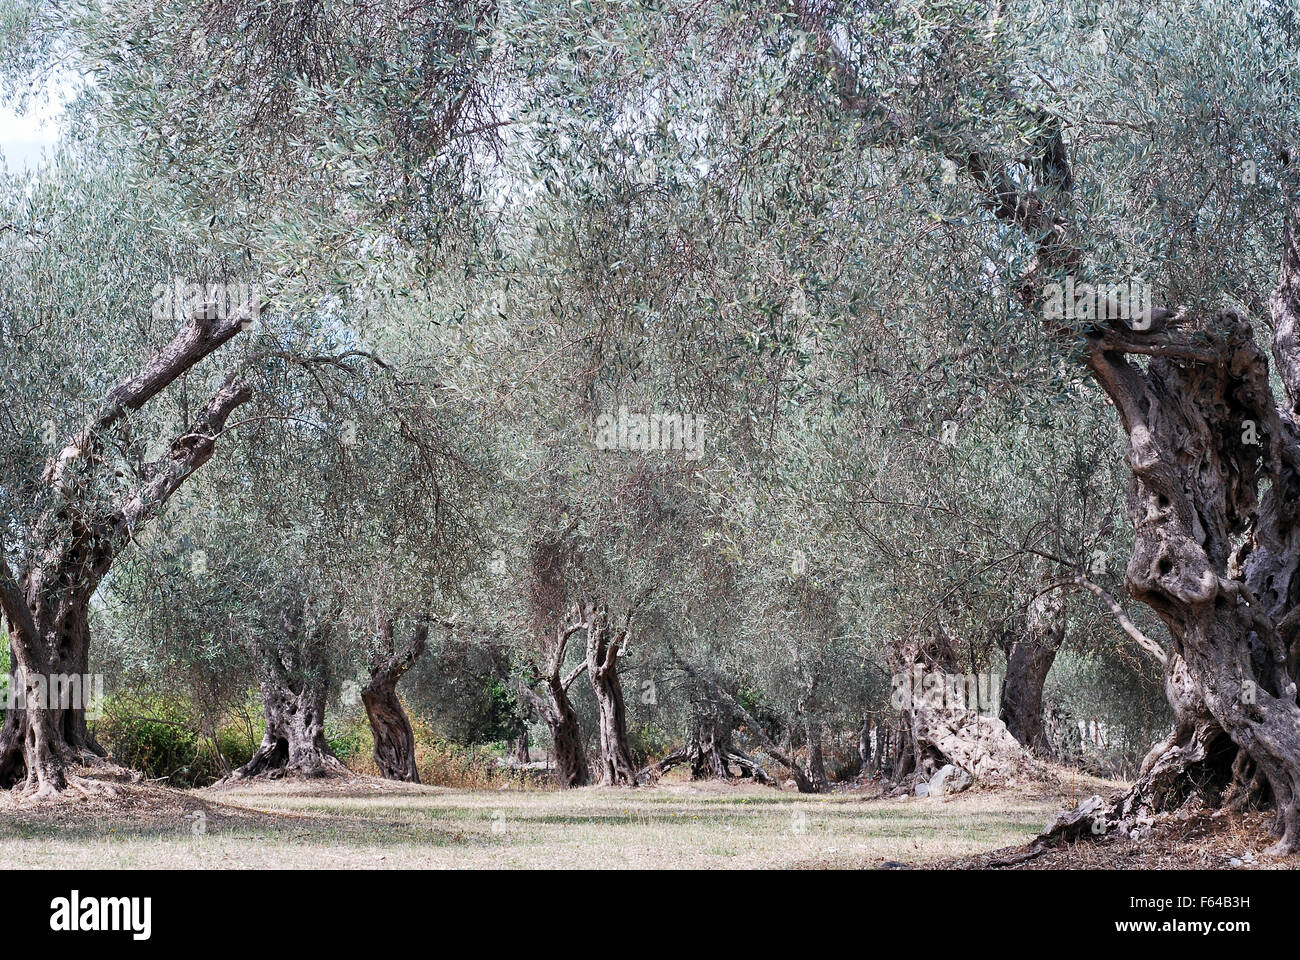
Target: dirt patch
[296,785]
[98,796]
[1197,841]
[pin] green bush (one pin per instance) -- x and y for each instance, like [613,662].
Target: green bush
[649,741]
[161,739]
[350,742]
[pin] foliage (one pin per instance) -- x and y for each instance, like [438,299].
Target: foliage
[165,739]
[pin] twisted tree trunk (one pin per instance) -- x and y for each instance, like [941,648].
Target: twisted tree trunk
[1216,563]
[37,744]
[942,720]
[1029,660]
[294,741]
[566,737]
[73,544]
[394,750]
[603,646]
[557,711]
[294,684]
[709,750]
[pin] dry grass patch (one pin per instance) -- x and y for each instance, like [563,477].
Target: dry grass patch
[367,823]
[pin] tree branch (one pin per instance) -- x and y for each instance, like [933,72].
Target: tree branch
[1131,628]
[188,452]
[198,339]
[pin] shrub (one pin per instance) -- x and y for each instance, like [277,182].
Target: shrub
[163,740]
[440,762]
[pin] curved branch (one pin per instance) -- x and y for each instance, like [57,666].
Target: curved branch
[1146,643]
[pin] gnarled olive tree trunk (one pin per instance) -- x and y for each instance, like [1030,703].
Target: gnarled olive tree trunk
[709,749]
[1216,562]
[37,744]
[390,727]
[556,710]
[1029,660]
[566,736]
[943,717]
[603,647]
[72,545]
[294,684]
[294,741]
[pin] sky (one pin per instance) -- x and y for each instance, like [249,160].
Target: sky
[25,137]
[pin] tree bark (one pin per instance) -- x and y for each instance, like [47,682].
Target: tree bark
[939,725]
[816,764]
[294,684]
[881,748]
[36,745]
[72,545]
[1196,761]
[557,711]
[394,751]
[566,735]
[709,750]
[603,647]
[1029,660]
[294,741]
[1225,599]
[864,749]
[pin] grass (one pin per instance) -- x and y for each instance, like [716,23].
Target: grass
[379,825]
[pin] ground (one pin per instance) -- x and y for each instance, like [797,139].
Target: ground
[362,822]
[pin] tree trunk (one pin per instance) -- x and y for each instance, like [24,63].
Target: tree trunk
[294,741]
[881,749]
[1029,660]
[294,684]
[1193,494]
[38,745]
[864,749]
[816,764]
[69,549]
[556,709]
[1216,564]
[566,735]
[940,726]
[519,748]
[904,758]
[394,751]
[603,646]
[778,753]
[1198,760]
[709,750]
